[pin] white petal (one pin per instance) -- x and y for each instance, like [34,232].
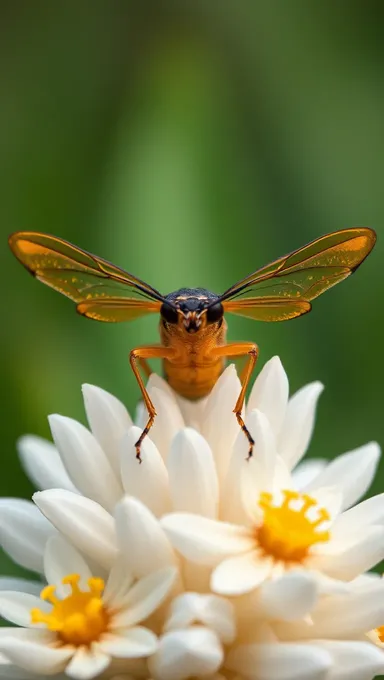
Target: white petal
[108,419]
[141,415]
[42,636]
[195,652]
[148,480]
[21,584]
[157,382]
[360,516]
[142,542]
[247,477]
[352,615]
[167,422]
[326,585]
[144,597]
[192,474]
[132,644]
[353,660]
[352,472]
[42,463]
[192,411]
[289,597]
[209,610]
[204,540]
[330,498]
[239,575]
[346,616]
[262,464]
[16,607]
[307,471]
[34,656]
[296,431]
[270,393]
[231,497]
[220,427]
[360,556]
[85,461]
[259,475]
[280,662]
[24,532]
[61,559]
[118,583]
[282,477]
[82,521]
[87,663]
[364,579]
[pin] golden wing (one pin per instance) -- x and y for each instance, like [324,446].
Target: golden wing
[101,290]
[283,289]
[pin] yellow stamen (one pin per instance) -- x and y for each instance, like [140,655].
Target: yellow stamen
[96,585]
[78,619]
[48,593]
[287,532]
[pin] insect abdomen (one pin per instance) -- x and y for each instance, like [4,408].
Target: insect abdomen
[193,381]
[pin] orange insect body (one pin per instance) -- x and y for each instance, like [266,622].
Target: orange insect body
[194,368]
[192,325]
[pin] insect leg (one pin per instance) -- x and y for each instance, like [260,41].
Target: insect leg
[136,356]
[240,349]
[145,367]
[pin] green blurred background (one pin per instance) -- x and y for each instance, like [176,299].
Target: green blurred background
[190,143]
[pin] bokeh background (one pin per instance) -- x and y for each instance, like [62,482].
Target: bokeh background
[190,143]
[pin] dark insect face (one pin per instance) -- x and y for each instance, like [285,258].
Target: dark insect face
[215,313]
[193,303]
[169,313]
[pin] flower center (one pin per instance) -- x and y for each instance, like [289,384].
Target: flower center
[78,619]
[291,528]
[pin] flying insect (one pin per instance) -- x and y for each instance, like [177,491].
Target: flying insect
[192,328]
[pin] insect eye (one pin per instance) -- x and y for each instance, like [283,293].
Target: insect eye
[169,313]
[215,312]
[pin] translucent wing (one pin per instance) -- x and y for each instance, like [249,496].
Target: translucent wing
[300,276]
[83,277]
[268,309]
[117,309]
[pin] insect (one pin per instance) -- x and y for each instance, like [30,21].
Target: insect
[192,328]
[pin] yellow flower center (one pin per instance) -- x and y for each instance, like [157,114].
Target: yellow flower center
[380,633]
[291,528]
[78,619]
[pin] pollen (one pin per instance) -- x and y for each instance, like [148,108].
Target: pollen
[290,529]
[78,619]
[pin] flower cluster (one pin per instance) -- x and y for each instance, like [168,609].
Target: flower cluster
[198,563]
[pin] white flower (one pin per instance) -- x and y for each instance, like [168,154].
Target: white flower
[209,636]
[136,534]
[286,544]
[101,465]
[319,660]
[80,623]
[195,633]
[202,637]
[280,529]
[24,532]
[205,635]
